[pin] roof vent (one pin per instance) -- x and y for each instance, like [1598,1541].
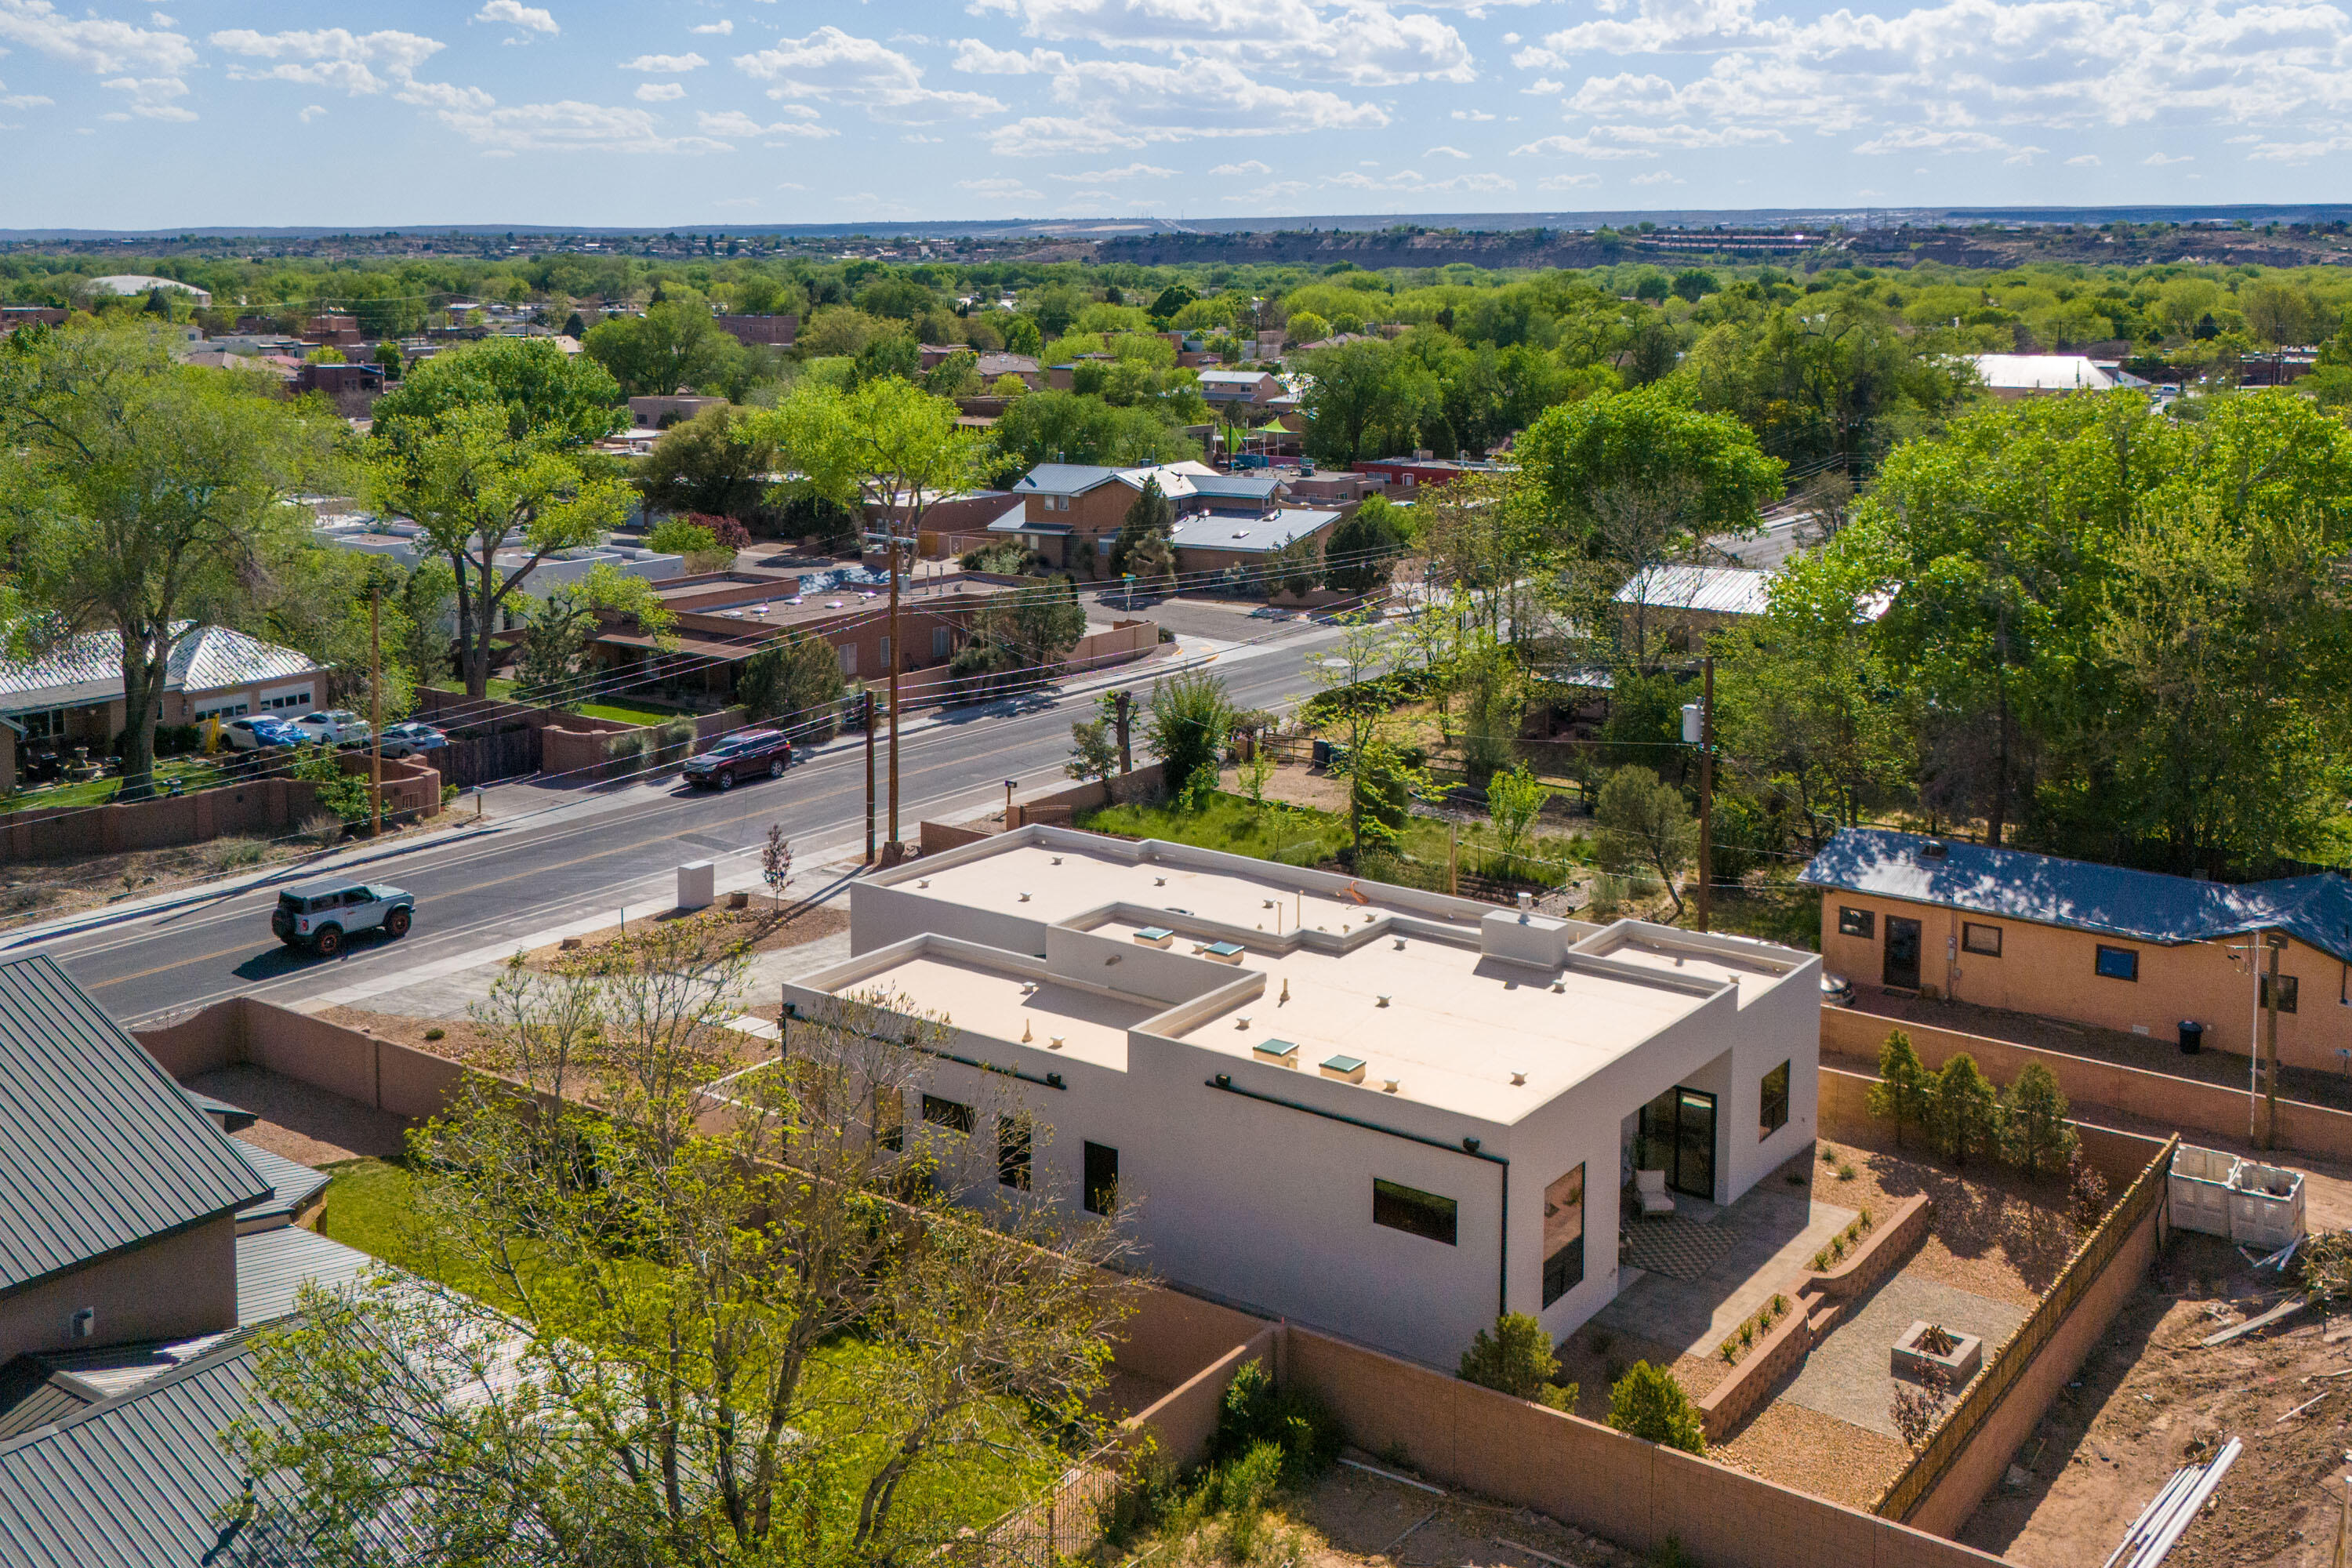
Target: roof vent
[1057,859]
[1381,1000]
[1155,936]
[1518,1080]
[1388,1085]
[1159,881]
[1400,944]
[1242,1022]
[1024,897]
[1934,849]
[1052,1042]
[84,1322]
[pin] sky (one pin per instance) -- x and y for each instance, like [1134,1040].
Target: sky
[703,113]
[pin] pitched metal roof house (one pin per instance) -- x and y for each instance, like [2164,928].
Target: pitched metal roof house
[88,668]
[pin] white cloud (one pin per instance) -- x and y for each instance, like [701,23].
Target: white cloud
[2295,151]
[2083,161]
[1477,114]
[721,28]
[569,126]
[1360,42]
[735,122]
[1657,177]
[311,112]
[1001,189]
[978,58]
[1566,182]
[660,91]
[1445,152]
[160,20]
[664,64]
[514,14]
[1137,170]
[1240,171]
[357,63]
[2158,161]
[1412,182]
[841,66]
[1114,106]
[1543,87]
[93,43]
[150,96]
[1922,138]
[26,101]
[1580,147]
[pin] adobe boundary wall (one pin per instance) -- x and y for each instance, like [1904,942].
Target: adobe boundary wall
[1598,1479]
[2186,1103]
[261,805]
[244,1030]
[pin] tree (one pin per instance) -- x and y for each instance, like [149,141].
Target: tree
[1633,443]
[1648,1404]
[1380,785]
[494,504]
[709,543]
[2034,1120]
[1148,516]
[1367,400]
[1514,798]
[551,662]
[1027,633]
[1904,1092]
[1968,1109]
[1484,677]
[649,1378]
[427,596]
[567,401]
[797,681]
[705,465]
[1645,824]
[1055,427]
[1188,719]
[1516,1357]
[388,359]
[886,447]
[1094,753]
[1363,548]
[776,862]
[145,498]
[674,344]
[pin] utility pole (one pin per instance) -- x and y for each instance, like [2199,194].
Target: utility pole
[2275,941]
[1706,793]
[375,706]
[866,721]
[891,657]
[1122,706]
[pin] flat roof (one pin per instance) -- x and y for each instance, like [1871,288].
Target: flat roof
[1005,1005]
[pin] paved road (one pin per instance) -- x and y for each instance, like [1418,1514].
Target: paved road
[477,892]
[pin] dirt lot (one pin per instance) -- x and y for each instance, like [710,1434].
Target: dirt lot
[760,927]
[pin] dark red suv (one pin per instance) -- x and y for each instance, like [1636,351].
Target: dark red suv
[749,755]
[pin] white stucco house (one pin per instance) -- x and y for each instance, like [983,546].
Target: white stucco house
[1385,1112]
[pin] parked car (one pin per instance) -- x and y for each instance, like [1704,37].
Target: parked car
[407,740]
[260,732]
[738,757]
[324,915]
[335,726]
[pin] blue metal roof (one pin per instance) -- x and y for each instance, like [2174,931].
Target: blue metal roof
[2145,905]
[99,1150]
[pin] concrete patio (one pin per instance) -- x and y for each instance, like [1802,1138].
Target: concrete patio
[1759,1244]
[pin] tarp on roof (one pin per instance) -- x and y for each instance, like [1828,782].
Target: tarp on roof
[2112,900]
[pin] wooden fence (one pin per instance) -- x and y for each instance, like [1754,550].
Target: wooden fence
[2085,1271]
[486,759]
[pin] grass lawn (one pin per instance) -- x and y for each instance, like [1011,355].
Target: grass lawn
[1301,835]
[194,773]
[370,1206]
[618,712]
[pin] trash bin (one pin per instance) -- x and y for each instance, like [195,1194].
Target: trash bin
[2192,1037]
[1322,754]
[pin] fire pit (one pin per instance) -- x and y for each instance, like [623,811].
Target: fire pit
[1924,1344]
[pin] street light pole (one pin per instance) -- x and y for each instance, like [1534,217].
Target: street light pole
[375,708]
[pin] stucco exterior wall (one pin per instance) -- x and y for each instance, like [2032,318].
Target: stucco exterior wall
[2050,970]
[170,1289]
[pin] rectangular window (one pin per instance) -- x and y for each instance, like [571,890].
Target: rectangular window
[886,656]
[2117,963]
[890,1117]
[1776,1099]
[1015,1138]
[2286,990]
[942,641]
[953,1115]
[1563,1236]
[1856,922]
[1413,1211]
[1102,1178]
[1983,939]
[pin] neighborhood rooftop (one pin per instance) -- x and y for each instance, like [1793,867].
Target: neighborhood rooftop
[2146,906]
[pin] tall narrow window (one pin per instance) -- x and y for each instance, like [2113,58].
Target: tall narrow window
[1563,1243]
[953,1115]
[1416,1212]
[1102,1178]
[890,1117]
[1776,1100]
[1014,1140]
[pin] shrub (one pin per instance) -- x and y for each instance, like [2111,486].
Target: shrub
[436,1034]
[1514,1357]
[1244,1489]
[323,829]
[228,854]
[1255,1411]
[1647,1402]
[2087,1194]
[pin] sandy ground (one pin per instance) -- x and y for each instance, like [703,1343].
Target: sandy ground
[2150,1391]
[304,1124]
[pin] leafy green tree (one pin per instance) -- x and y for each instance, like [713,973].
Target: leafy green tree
[1381,786]
[1368,400]
[1515,1357]
[1645,825]
[1693,284]
[493,505]
[1187,721]
[427,596]
[552,662]
[1094,753]
[1649,1404]
[564,402]
[1514,798]
[1904,1093]
[1362,551]
[889,356]
[1578,457]
[674,344]
[2037,1133]
[1150,516]
[707,464]
[1968,1109]
[1053,426]
[797,680]
[1490,689]
[1028,632]
[145,499]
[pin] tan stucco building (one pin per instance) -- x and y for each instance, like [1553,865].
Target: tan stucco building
[2135,951]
